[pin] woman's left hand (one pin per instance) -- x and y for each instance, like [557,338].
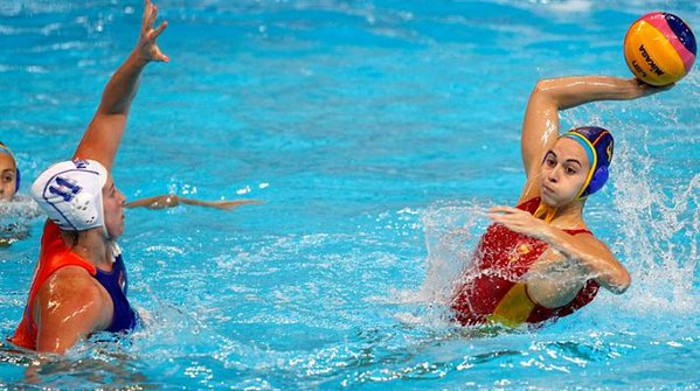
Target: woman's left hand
[521,222]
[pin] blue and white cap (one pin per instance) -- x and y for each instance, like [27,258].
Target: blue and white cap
[70,193]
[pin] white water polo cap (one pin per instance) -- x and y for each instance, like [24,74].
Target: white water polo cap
[70,193]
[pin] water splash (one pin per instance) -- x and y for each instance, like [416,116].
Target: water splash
[451,231]
[653,218]
[659,234]
[15,219]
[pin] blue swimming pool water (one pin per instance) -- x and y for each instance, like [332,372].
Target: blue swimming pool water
[376,133]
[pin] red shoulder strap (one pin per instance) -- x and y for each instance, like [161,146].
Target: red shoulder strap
[530,205]
[577,231]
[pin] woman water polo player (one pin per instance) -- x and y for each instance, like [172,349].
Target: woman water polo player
[9,182]
[539,261]
[80,283]
[9,185]
[15,211]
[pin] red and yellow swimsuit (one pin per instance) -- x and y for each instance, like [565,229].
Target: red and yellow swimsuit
[492,291]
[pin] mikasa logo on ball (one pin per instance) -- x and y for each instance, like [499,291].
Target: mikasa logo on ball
[654,68]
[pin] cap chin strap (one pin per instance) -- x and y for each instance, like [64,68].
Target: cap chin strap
[545,213]
[18,177]
[104,231]
[592,160]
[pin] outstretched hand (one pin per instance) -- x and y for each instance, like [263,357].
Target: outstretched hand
[147,47]
[521,222]
[172,200]
[221,205]
[640,89]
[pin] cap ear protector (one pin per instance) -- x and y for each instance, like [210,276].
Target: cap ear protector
[18,177]
[600,176]
[598,144]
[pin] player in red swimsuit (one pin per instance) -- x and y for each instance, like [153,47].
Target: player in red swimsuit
[539,261]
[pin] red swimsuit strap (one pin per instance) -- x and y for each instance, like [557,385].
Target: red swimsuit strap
[577,231]
[531,206]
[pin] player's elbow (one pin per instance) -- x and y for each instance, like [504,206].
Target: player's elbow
[619,284]
[545,92]
[544,86]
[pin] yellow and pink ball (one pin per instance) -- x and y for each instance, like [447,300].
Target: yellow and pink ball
[660,48]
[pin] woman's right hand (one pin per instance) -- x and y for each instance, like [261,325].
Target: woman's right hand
[147,48]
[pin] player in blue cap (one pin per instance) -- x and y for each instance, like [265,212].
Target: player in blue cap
[9,174]
[16,211]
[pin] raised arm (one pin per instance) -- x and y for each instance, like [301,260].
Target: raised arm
[103,135]
[541,124]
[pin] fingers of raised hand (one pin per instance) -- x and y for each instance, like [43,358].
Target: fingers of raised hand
[152,35]
[147,10]
[163,58]
[150,13]
[160,29]
[159,56]
[153,15]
